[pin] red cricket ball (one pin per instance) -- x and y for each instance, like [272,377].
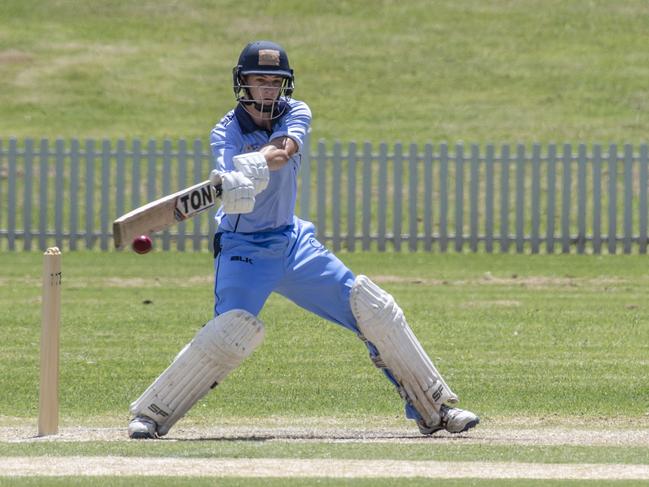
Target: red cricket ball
[142,244]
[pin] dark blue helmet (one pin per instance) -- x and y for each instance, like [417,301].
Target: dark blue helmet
[263,57]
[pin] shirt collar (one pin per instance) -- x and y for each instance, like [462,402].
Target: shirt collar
[248,125]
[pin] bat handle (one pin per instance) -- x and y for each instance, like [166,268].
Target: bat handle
[215,179]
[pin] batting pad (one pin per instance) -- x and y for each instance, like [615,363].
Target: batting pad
[382,322]
[216,350]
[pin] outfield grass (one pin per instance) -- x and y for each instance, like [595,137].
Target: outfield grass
[531,70]
[540,341]
[527,336]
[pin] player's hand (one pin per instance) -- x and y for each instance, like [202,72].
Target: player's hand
[237,192]
[253,165]
[215,177]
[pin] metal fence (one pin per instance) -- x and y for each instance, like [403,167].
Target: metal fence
[583,198]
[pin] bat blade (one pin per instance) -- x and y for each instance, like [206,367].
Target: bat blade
[165,212]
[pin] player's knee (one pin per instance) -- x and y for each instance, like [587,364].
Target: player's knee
[372,306]
[234,334]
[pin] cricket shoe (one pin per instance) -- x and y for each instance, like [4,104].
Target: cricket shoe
[142,427]
[453,420]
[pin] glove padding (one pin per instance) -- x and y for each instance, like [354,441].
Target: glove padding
[253,165]
[237,192]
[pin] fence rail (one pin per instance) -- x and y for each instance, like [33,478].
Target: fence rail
[583,199]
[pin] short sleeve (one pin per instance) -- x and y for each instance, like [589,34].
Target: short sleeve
[295,124]
[225,142]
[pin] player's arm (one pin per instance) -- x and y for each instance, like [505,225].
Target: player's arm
[288,136]
[278,152]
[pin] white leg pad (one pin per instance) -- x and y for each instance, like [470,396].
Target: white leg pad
[216,350]
[382,322]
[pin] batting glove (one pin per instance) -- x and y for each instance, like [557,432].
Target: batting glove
[237,193]
[253,165]
[216,177]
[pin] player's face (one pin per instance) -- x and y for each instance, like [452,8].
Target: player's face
[264,89]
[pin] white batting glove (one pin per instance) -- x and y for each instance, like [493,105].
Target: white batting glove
[237,193]
[253,165]
[215,177]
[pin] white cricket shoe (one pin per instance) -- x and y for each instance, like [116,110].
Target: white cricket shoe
[142,427]
[454,420]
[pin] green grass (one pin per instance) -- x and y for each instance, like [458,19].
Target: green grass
[531,70]
[508,332]
[429,451]
[556,341]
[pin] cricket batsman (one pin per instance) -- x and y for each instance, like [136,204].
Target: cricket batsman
[261,246]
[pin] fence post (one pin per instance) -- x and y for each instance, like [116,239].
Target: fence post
[551,177]
[428,197]
[520,198]
[536,198]
[474,196]
[504,199]
[90,197]
[581,199]
[565,196]
[397,195]
[11,194]
[182,183]
[612,202]
[120,177]
[336,194]
[628,197]
[383,197]
[105,198]
[642,200]
[597,199]
[489,198]
[413,196]
[166,185]
[28,196]
[367,194]
[58,192]
[351,198]
[443,198]
[74,193]
[44,178]
[459,197]
[152,157]
[135,174]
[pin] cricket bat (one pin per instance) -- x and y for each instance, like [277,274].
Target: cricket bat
[164,212]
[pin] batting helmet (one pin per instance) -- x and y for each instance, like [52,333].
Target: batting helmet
[263,57]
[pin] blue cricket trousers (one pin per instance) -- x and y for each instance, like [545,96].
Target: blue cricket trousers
[289,261]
